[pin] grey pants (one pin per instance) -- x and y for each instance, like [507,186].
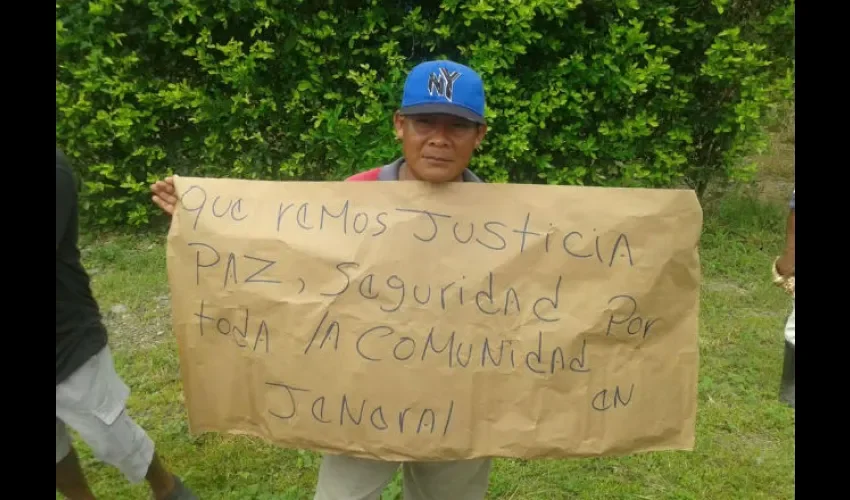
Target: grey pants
[92,402]
[349,478]
[786,388]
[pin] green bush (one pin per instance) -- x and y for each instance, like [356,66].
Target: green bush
[606,92]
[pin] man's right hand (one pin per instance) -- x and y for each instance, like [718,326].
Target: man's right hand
[164,195]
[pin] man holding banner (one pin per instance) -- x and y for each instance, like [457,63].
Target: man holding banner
[435,324]
[440,124]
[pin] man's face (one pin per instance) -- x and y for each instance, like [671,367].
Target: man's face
[437,148]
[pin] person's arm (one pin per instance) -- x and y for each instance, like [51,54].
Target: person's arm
[66,197]
[785,265]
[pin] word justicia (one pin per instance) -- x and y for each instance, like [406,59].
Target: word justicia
[435,226]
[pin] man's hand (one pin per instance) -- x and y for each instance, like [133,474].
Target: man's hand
[164,195]
[785,265]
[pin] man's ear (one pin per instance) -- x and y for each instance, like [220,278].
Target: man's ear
[482,131]
[398,124]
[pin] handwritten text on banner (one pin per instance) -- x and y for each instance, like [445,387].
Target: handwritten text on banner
[406,321]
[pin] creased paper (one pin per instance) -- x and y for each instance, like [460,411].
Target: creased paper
[408,321]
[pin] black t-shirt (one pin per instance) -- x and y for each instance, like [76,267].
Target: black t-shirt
[79,331]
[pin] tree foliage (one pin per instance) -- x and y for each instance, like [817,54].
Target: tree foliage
[605,92]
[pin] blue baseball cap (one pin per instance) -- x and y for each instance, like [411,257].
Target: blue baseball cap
[444,87]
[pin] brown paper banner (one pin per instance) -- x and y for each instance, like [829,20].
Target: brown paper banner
[407,321]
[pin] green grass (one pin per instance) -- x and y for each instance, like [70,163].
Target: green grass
[745,436]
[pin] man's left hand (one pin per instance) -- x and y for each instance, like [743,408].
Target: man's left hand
[785,265]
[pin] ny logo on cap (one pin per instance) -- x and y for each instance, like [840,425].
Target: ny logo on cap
[442,84]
